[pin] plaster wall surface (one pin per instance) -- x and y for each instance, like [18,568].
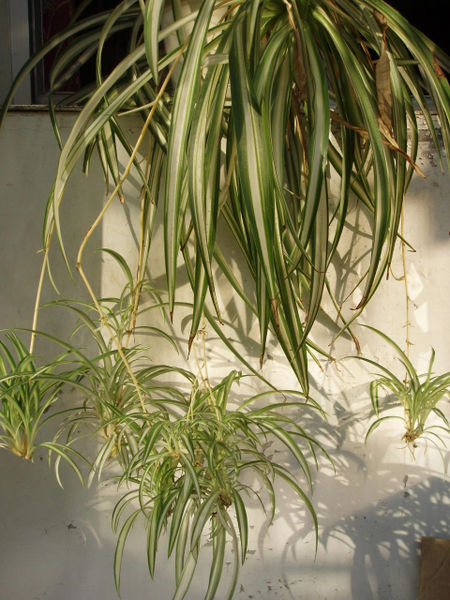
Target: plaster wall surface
[373,508]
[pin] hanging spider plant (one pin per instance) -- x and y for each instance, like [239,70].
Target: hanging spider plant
[27,392]
[418,395]
[26,395]
[190,452]
[115,375]
[191,472]
[109,396]
[245,104]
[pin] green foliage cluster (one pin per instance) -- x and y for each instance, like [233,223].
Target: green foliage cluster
[26,393]
[185,452]
[244,106]
[418,395]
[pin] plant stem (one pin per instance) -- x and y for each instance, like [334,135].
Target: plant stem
[38,301]
[139,272]
[203,370]
[405,280]
[39,289]
[100,218]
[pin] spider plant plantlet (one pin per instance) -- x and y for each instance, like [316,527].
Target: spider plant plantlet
[418,395]
[27,393]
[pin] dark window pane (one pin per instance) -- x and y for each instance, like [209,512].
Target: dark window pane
[429,16]
[49,17]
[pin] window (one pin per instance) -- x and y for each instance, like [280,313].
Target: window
[427,16]
[47,18]
[25,26]
[14,47]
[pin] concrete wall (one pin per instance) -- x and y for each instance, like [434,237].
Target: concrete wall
[57,543]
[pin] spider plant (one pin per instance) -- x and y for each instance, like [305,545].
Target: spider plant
[27,392]
[108,396]
[190,452]
[115,374]
[418,395]
[197,461]
[245,104]
[26,395]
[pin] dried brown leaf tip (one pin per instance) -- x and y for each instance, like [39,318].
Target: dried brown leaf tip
[440,73]
[380,18]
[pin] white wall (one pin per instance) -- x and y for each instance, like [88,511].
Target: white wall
[372,511]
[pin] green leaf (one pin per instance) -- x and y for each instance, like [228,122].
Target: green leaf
[241,515]
[376,423]
[186,575]
[253,167]
[179,511]
[405,360]
[281,472]
[152,20]
[203,514]
[182,543]
[183,104]
[120,547]
[218,552]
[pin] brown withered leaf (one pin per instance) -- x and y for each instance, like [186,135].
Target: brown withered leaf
[300,71]
[383,83]
[388,140]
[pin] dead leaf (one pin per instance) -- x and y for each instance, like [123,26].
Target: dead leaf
[389,141]
[383,83]
[392,144]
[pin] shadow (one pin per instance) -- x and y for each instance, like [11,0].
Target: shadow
[54,532]
[372,509]
[384,536]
